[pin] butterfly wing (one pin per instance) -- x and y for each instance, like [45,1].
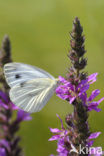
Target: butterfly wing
[32,95]
[17,73]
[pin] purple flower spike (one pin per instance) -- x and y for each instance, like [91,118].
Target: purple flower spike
[74,89]
[68,91]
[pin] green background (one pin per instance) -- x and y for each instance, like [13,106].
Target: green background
[39,33]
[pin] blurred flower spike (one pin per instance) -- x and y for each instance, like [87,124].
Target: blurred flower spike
[9,126]
[9,141]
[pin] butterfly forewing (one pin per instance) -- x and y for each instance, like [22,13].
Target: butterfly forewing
[17,73]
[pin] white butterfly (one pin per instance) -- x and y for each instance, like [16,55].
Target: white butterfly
[31,87]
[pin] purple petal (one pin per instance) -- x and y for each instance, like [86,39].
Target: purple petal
[62,89]
[14,107]
[84,89]
[90,143]
[93,106]
[61,148]
[97,109]
[94,135]
[65,133]
[63,154]
[23,116]
[62,92]
[102,99]
[2,152]
[94,94]
[3,117]
[92,78]
[60,121]
[54,137]
[59,89]
[70,87]
[83,86]
[2,104]
[72,99]
[62,96]
[82,83]
[55,130]
[4,143]
[62,79]
[4,97]
[84,97]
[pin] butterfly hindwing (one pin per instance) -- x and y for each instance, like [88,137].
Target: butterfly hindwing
[32,95]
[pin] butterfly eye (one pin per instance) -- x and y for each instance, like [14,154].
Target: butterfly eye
[17,76]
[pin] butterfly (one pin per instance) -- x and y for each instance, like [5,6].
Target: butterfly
[30,87]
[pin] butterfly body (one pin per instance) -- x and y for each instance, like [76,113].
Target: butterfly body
[31,87]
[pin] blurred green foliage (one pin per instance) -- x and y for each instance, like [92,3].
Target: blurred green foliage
[39,33]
